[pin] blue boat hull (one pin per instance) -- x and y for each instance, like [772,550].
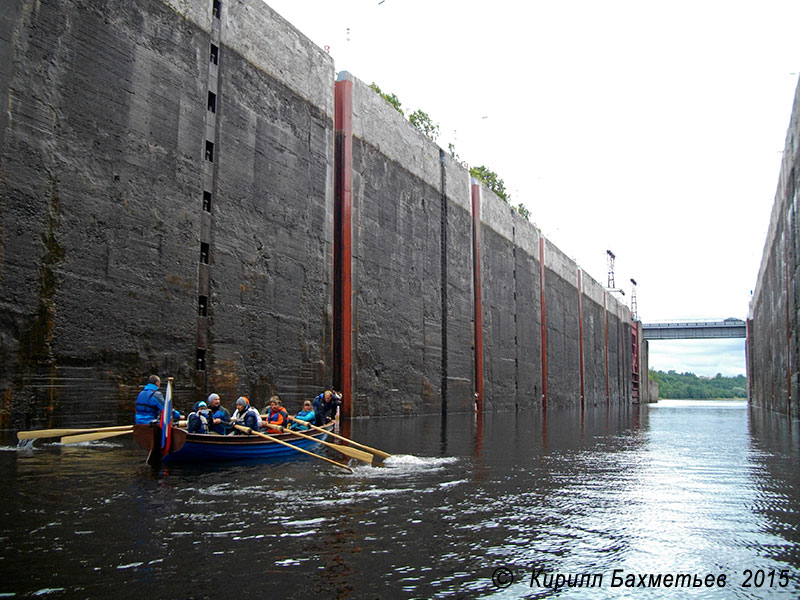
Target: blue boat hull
[196,447]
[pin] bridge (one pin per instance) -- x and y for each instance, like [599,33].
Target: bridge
[695,330]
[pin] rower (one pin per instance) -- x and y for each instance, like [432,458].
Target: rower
[306,415]
[245,414]
[200,419]
[219,414]
[325,407]
[277,415]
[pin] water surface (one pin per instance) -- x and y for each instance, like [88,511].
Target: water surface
[680,487]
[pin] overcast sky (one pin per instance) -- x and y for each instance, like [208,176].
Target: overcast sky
[652,129]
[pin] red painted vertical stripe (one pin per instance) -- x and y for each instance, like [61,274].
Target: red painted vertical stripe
[544,324]
[342,251]
[580,330]
[476,281]
[605,312]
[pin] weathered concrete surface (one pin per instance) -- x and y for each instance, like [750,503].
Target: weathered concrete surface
[397,279]
[561,319]
[96,276]
[101,185]
[528,314]
[142,231]
[272,216]
[413,299]
[594,342]
[511,307]
[619,351]
[773,347]
[459,364]
[498,278]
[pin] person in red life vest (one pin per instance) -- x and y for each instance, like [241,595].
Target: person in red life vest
[277,415]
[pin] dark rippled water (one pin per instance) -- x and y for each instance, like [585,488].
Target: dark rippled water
[679,488]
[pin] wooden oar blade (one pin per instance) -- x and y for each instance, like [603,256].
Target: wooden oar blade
[353,453]
[89,437]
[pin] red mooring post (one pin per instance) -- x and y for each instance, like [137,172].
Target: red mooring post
[342,242]
[476,285]
[544,323]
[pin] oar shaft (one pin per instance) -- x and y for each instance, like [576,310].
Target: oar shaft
[292,446]
[375,451]
[351,452]
[88,437]
[46,433]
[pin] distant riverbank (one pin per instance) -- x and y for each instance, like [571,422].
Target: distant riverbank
[672,385]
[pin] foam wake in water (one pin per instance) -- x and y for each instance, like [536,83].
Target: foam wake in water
[401,465]
[25,445]
[92,444]
[421,461]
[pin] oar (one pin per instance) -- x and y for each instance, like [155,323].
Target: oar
[88,437]
[46,433]
[346,450]
[292,446]
[379,453]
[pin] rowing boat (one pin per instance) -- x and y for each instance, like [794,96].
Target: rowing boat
[200,447]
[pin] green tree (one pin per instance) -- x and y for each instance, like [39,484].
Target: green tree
[452,150]
[390,98]
[491,180]
[523,211]
[689,385]
[422,121]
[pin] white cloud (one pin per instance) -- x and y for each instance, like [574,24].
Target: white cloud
[702,357]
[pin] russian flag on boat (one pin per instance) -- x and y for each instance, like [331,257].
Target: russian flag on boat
[166,419]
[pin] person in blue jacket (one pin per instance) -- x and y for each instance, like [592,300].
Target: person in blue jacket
[306,416]
[245,415]
[325,407]
[200,419]
[220,416]
[150,403]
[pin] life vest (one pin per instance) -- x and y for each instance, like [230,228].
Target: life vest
[243,420]
[148,407]
[198,421]
[279,417]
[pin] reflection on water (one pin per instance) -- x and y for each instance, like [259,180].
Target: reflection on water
[680,487]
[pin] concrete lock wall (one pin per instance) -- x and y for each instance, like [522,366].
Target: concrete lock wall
[169,205]
[113,201]
[413,296]
[773,350]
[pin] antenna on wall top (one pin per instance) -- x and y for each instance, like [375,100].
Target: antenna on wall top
[611,285]
[634,303]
